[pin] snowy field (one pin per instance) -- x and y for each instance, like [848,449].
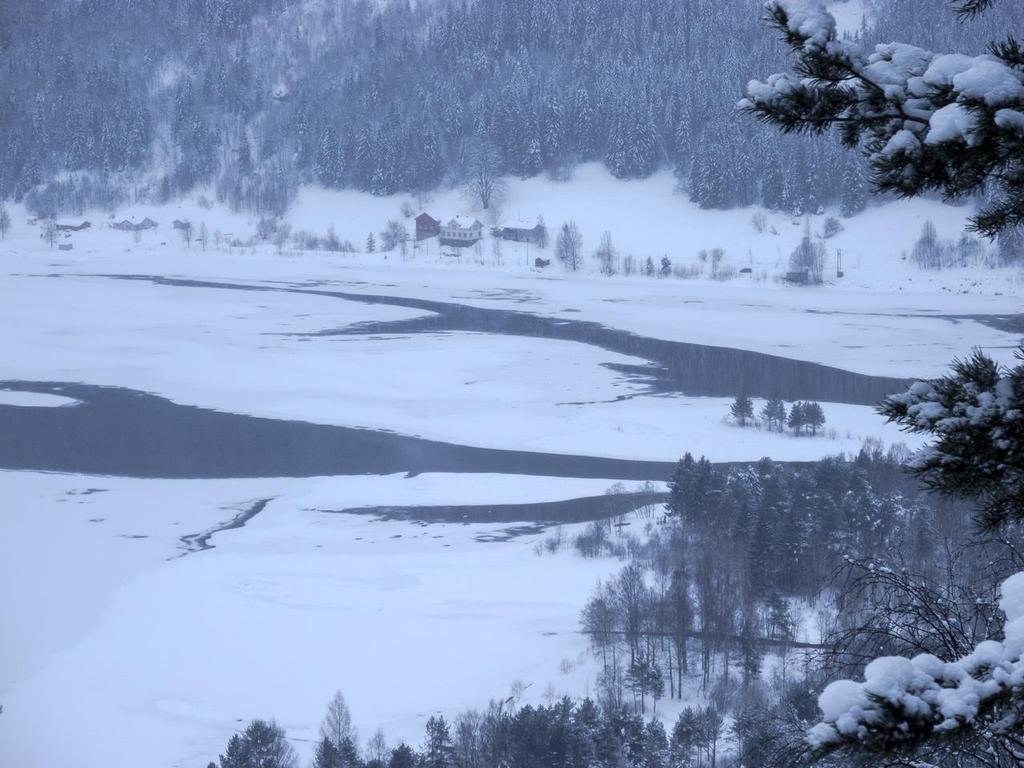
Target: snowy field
[885,316]
[110,629]
[119,631]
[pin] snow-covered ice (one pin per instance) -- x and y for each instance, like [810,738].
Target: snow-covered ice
[167,653]
[33,399]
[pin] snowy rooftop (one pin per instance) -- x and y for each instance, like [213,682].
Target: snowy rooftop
[519,224]
[464,222]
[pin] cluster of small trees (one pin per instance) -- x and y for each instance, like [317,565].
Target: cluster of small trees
[329,242]
[931,252]
[809,257]
[805,417]
[561,734]
[395,235]
[707,592]
[569,251]
[802,417]
[712,589]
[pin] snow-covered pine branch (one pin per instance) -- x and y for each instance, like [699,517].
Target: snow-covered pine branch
[976,415]
[903,703]
[916,709]
[927,121]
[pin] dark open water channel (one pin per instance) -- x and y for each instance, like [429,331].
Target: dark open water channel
[115,431]
[691,369]
[123,432]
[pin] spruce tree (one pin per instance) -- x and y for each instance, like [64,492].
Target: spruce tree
[326,756]
[437,749]
[402,756]
[975,417]
[690,489]
[686,736]
[261,745]
[797,418]
[774,413]
[814,417]
[742,409]
[853,195]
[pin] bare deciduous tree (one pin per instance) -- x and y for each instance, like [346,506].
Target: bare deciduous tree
[485,184]
[569,246]
[49,233]
[377,747]
[337,723]
[606,254]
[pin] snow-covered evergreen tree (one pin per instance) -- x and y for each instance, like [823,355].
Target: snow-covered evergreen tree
[929,121]
[975,415]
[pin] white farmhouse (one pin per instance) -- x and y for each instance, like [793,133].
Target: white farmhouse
[461,231]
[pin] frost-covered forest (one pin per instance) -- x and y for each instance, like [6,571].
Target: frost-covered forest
[108,101]
[560,383]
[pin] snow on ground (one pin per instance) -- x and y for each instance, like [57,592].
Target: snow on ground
[107,630]
[168,654]
[885,316]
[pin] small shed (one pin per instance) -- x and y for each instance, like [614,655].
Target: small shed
[131,226]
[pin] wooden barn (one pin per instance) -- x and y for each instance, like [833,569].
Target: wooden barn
[427,226]
[521,232]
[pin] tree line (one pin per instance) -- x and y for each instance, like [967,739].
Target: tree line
[104,101]
[563,734]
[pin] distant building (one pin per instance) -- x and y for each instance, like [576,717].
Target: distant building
[462,232]
[73,227]
[799,277]
[427,226]
[521,232]
[130,226]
